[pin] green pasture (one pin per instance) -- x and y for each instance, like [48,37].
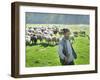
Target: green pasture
[44,55]
[47,55]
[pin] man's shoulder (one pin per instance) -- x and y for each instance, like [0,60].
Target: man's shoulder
[61,40]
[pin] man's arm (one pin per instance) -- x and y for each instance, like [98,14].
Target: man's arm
[60,51]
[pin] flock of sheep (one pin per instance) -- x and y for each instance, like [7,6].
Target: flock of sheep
[49,35]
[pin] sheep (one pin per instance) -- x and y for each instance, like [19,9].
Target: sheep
[82,33]
[48,39]
[75,34]
[71,38]
[40,37]
[34,39]
[28,39]
[55,40]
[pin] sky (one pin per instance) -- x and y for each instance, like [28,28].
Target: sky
[53,18]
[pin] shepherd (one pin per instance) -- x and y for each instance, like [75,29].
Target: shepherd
[65,50]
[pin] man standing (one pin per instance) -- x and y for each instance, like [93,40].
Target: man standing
[65,49]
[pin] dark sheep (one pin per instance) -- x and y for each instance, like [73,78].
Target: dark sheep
[82,33]
[34,39]
[75,34]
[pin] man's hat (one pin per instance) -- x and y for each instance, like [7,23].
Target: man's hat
[65,30]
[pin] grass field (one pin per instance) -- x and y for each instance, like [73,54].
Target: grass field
[39,55]
[44,55]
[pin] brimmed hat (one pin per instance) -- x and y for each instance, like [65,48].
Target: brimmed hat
[65,30]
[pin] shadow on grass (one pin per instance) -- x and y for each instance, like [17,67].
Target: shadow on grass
[46,45]
[42,44]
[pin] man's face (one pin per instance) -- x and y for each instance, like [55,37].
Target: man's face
[67,34]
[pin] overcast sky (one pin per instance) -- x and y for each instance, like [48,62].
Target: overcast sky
[52,18]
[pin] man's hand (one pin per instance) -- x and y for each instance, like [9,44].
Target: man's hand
[66,59]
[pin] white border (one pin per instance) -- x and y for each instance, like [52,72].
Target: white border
[38,70]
